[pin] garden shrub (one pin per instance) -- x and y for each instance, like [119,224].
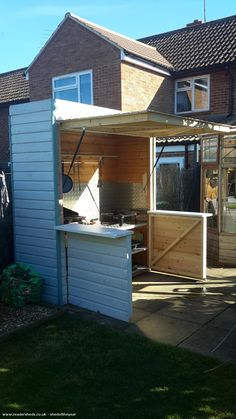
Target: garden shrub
[20,285]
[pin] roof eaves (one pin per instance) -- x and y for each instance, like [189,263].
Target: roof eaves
[203,69]
[157,67]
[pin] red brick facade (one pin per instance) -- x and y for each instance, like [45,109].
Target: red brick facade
[142,89]
[4,142]
[72,49]
[116,84]
[222,96]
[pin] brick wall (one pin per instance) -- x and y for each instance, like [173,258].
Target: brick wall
[73,49]
[4,142]
[219,96]
[142,89]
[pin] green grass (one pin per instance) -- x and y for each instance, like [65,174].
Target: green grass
[70,365]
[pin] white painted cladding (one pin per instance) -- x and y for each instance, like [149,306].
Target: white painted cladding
[99,267]
[33,168]
[99,274]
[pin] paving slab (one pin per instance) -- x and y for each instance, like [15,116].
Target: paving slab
[212,341]
[165,329]
[196,315]
[225,320]
[194,310]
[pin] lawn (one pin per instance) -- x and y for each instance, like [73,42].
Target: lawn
[73,366]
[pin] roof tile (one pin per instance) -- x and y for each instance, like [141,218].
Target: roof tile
[204,45]
[139,49]
[13,86]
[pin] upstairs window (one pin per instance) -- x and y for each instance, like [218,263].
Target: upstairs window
[192,94]
[75,87]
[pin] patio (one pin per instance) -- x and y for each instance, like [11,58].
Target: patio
[196,315]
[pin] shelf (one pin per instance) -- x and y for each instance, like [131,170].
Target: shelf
[139,270]
[138,250]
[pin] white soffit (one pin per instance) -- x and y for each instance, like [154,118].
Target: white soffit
[144,124]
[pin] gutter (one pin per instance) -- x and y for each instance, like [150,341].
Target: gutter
[142,64]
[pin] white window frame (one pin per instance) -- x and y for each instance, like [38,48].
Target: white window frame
[75,85]
[184,89]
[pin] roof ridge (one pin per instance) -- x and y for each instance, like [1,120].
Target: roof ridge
[89,23]
[188,28]
[18,70]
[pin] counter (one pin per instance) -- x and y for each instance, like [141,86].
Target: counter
[97,268]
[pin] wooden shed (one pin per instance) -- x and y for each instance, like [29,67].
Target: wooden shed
[89,241]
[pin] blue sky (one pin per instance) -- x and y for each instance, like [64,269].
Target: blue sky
[25,25]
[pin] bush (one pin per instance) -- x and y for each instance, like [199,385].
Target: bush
[20,285]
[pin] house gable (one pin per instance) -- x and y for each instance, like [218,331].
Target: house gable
[73,48]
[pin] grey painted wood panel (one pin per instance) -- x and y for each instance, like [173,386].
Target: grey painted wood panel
[32,222]
[32,147]
[34,204]
[87,257]
[32,186]
[98,268]
[35,260]
[33,213]
[35,176]
[34,195]
[26,128]
[31,241]
[39,116]
[26,156]
[33,167]
[34,232]
[27,108]
[31,137]
[100,285]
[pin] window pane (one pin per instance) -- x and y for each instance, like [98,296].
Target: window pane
[70,94]
[229,200]
[85,89]
[201,93]
[65,81]
[229,150]
[210,149]
[184,101]
[184,84]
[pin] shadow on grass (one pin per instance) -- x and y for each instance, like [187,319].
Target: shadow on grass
[72,365]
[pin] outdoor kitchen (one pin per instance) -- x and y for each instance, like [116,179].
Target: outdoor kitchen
[105,183]
[83,191]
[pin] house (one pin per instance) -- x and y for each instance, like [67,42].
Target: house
[83,62]
[13,89]
[203,56]
[108,153]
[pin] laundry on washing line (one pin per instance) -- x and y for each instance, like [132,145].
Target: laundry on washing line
[4,196]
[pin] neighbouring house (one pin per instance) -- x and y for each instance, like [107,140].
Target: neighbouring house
[14,88]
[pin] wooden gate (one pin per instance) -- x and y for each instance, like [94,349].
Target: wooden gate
[177,243]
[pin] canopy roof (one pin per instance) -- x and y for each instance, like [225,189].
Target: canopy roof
[146,123]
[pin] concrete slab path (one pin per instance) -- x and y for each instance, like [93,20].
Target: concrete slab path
[196,315]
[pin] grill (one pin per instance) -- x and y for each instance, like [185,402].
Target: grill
[120,218]
[71,216]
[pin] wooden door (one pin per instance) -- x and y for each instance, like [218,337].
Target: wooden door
[177,243]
